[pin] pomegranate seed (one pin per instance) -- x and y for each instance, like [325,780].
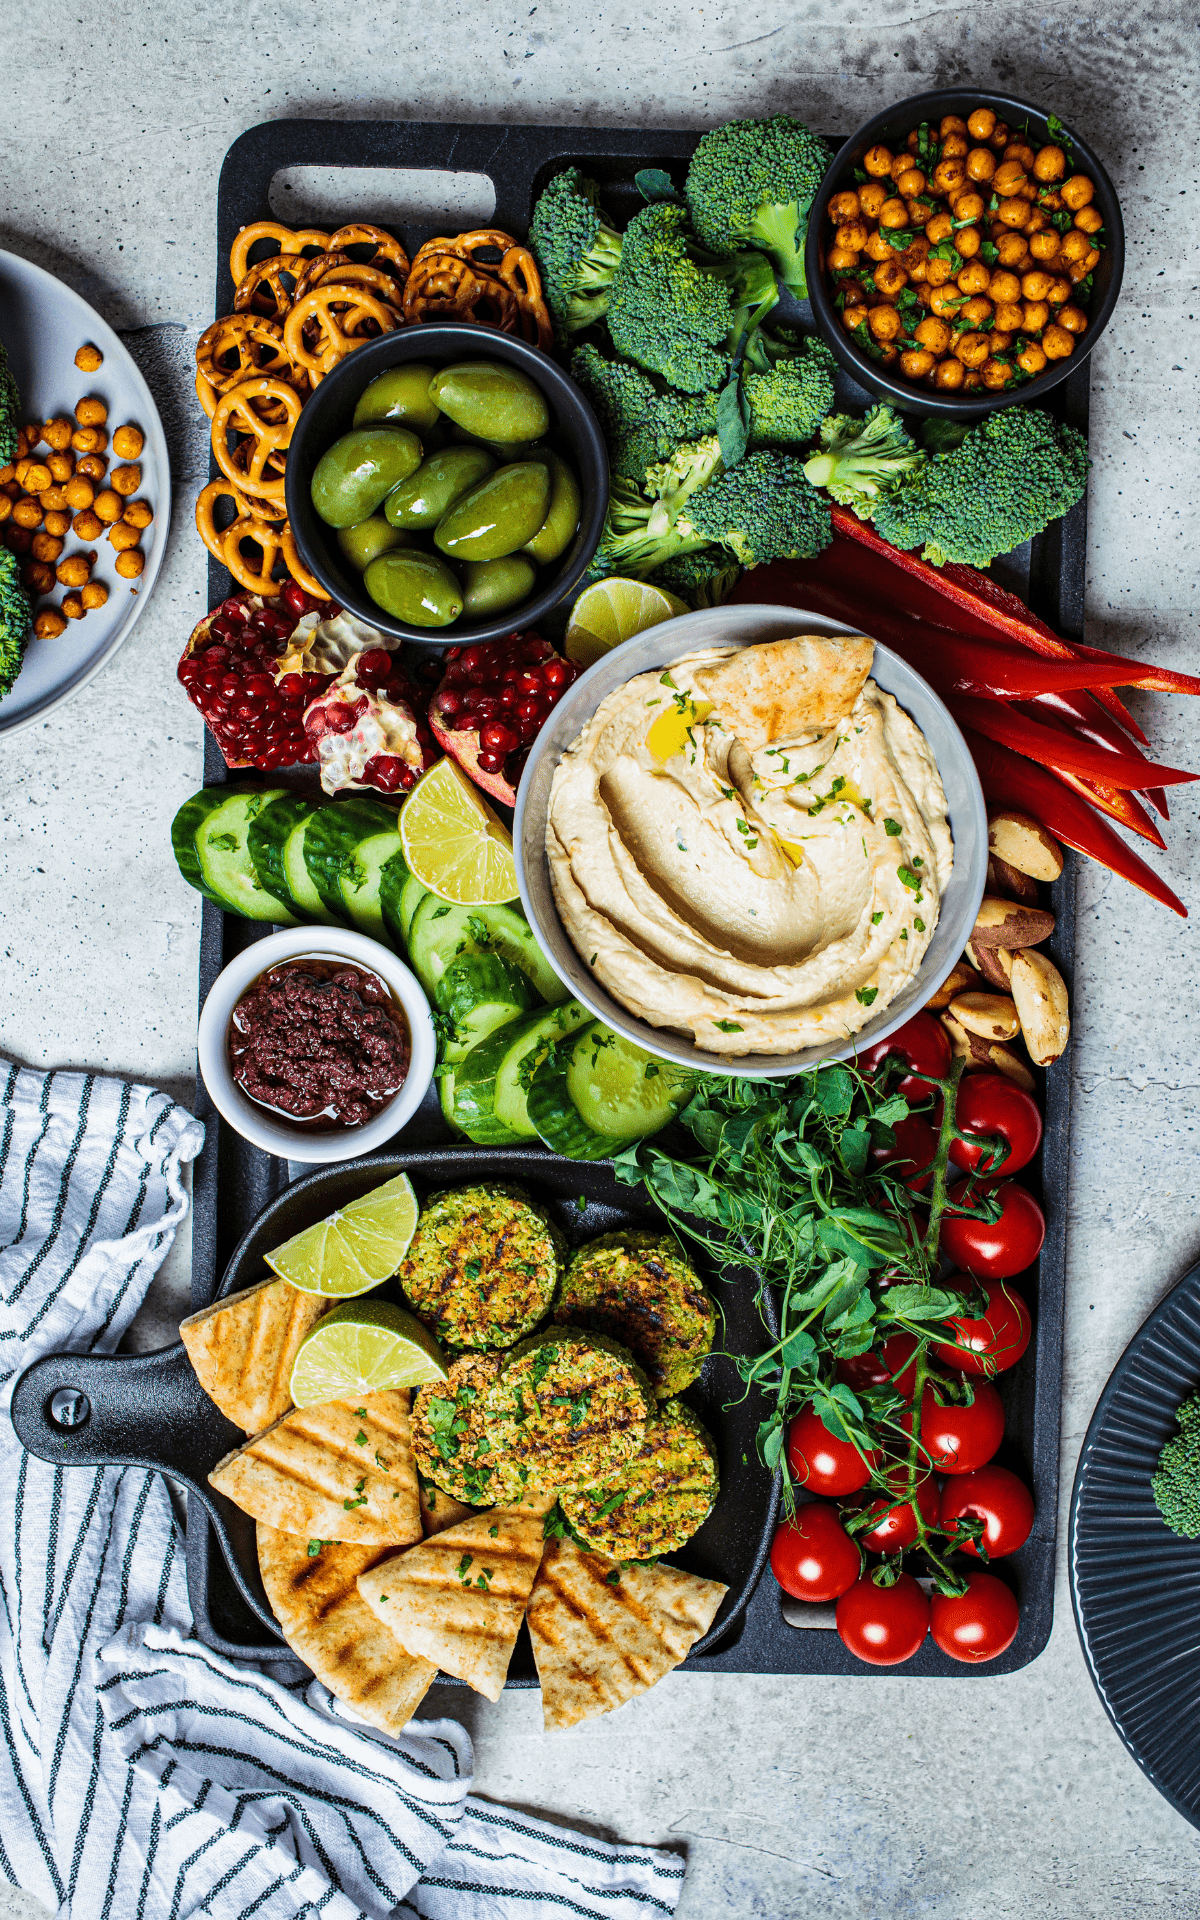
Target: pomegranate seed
[295,599]
[451,702]
[374,661]
[384,769]
[487,706]
[530,683]
[490,762]
[339,720]
[260,683]
[529,709]
[554,673]
[315,725]
[529,730]
[509,697]
[408,779]
[497,738]
[188,670]
[462,723]
[230,685]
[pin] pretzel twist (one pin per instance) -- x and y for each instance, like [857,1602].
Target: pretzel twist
[340,270]
[447,283]
[240,346]
[296,567]
[268,288]
[340,319]
[518,270]
[287,240]
[386,246]
[253,408]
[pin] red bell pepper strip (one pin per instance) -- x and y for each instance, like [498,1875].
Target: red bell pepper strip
[1080,715]
[1056,748]
[1010,781]
[1117,802]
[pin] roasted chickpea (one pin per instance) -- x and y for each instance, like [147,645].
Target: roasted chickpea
[878,247]
[1074,319]
[123,536]
[1028,193]
[948,375]
[27,513]
[969,205]
[968,240]
[1050,200]
[842,206]
[1075,246]
[34,435]
[912,139]
[999,137]
[951,123]
[1013,212]
[1044,246]
[974,278]
[1008,179]
[1077,192]
[53,499]
[996,374]
[1031,359]
[1022,153]
[1089,219]
[37,477]
[914,254]
[1058,292]
[1037,222]
[877,161]
[37,577]
[139,513]
[852,237]
[853,317]
[884,324]
[75,570]
[57,433]
[87,526]
[89,359]
[890,277]
[939,227]
[46,548]
[91,412]
[49,624]
[1034,315]
[1050,163]
[59,524]
[944,301]
[62,466]
[1005,285]
[919,214]
[94,595]
[89,439]
[129,565]
[981,123]
[6,507]
[972,349]
[1080,269]
[1000,340]
[109,506]
[1057,343]
[976,310]
[1036,284]
[981,165]
[910,182]
[933,334]
[870,198]
[893,213]
[949,175]
[955,146]
[1009,316]
[901,163]
[128,441]
[79,493]
[17,539]
[937,272]
[916,363]
[93,466]
[72,606]
[1011,250]
[842,260]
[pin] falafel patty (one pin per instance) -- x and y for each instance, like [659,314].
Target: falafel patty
[569,1408]
[638,1287]
[659,1500]
[483,1265]
[448,1437]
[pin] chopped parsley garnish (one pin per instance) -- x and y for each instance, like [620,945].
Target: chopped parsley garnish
[314,1548]
[892,828]
[865,995]
[727,1026]
[360,1438]
[876,918]
[919,925]
[908,878]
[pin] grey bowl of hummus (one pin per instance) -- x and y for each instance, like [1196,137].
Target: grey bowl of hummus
[751,839]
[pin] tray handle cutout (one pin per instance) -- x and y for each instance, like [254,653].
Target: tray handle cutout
[442,199]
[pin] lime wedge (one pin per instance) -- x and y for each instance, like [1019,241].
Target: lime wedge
[354,1249]
[366,1346]
[453,842]
[610,611]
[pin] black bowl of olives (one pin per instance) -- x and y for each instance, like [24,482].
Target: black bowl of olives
[447,484]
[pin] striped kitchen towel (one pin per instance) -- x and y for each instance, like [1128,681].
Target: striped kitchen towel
[143,1777]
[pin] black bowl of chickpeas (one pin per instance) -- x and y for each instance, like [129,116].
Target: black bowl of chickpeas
[965,250]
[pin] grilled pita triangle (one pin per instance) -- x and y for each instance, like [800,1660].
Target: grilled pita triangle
[460,1598]
[242,1349]
[598,1639]
[343,1471]
[315,1599]
[780,688]
[440,1510]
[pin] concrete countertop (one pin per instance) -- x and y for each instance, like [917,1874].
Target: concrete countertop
[977,1799]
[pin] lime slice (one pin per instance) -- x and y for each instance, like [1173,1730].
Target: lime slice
[355,1248]
[454,843]
[610,611]
[367,1346]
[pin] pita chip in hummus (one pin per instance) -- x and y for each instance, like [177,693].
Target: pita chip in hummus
[782,688]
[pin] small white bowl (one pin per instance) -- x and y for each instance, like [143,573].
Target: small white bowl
[250,1120]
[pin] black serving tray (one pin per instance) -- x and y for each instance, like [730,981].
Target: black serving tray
[234,1181]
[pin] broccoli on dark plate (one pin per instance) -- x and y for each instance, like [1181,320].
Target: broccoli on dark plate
[751,183]
[576,249]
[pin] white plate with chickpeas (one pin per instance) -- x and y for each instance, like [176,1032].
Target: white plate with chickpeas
[86,505]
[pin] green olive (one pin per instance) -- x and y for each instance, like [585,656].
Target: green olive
[490,586]
[416,587]
[358,472]
[422,499]
[506,450]
[367,539]
[401,396]
[492,400]
[557,530]
[497,516]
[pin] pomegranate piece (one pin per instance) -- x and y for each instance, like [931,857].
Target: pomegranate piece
[492,703]
[367,729]
[230,672]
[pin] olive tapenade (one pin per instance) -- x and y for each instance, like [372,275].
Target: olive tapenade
[319,1042]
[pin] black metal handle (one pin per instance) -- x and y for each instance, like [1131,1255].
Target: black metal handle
[122,1410]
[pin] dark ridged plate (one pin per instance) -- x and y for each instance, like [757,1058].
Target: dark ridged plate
[1135,1586]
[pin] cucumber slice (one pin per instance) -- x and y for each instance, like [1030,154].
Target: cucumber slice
[441,933]
[602,1076]
[266,840]
[345,849]
[393,877]
[299,882]
[184,828]
[445,1088]
[491,1088]
[224,859]
[411,895]
[474,997]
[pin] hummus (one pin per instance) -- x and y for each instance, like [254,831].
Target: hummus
[763,898]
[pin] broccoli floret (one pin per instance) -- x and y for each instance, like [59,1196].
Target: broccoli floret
[642,419]
[678,310]
[703,579]
[15,620]
[1012,475]
[1176,1485]
[10,407]
[751,184]
[862,459]
[788,401]
[576,250]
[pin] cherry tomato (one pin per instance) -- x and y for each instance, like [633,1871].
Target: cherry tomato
[883,1625]
[960,1439]
[812,1556]
[885,1365]
[820,1462]
[896,1527]
[923,1044]
[994,1343]
[999,1499]
[916,1144]
[995,1249]
[976,1625]
[988,1103]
